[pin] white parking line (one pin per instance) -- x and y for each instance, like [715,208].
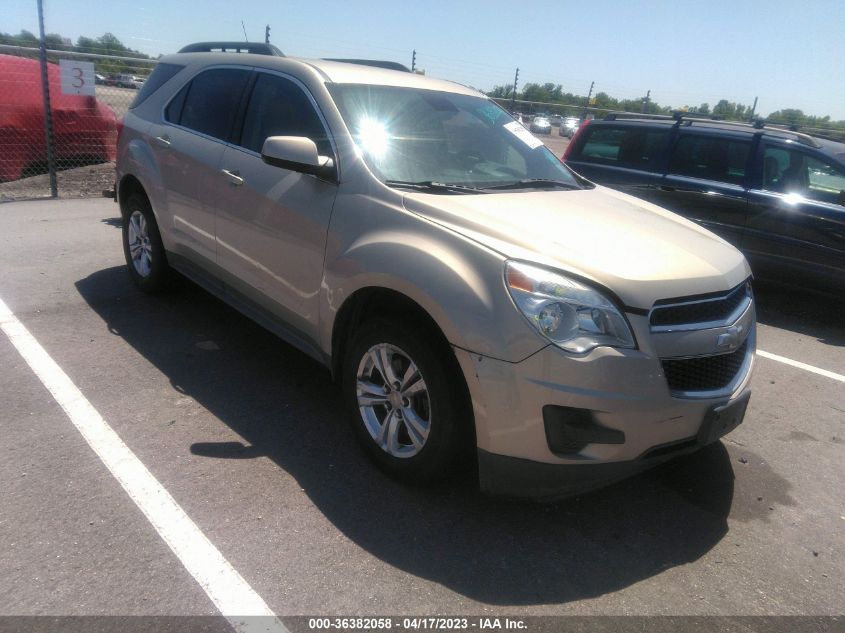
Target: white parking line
[226,588]
[800,365]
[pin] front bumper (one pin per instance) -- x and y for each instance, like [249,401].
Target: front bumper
[512,476]
[624,390]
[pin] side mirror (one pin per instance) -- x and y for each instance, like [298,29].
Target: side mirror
[297,153]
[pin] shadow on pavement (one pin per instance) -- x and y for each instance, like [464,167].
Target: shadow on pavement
[805,311]
[492,550]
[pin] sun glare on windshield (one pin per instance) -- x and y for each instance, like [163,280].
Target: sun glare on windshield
[373,138]
[416,135]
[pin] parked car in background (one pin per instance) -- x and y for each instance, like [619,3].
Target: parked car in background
[555,119]
[85,129]
[776,194]
[129,81]
[479,303]
[99,79]
[541,125]
[569,126]
[523,119]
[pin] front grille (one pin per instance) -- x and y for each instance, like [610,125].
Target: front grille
[704,373]
[702,309]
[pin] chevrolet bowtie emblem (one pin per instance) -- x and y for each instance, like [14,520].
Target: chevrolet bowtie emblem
[729,339]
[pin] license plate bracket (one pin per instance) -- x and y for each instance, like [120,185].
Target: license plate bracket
[722,419]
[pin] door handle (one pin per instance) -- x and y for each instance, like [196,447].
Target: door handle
[666,188]
[163,141]
[233,176]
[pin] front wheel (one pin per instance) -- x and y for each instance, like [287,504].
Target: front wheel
[407,402]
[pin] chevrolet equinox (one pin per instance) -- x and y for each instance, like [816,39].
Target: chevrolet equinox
[478,301]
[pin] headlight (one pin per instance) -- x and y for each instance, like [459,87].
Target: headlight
[569,313]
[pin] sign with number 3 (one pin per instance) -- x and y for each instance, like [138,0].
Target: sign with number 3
[77,77]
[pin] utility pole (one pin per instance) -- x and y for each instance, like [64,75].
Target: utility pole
[267,34]
[753,108]
[513,94]
[645,102]
[48,114]
[587,104]
[414,61]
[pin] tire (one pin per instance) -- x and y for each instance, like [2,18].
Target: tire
[423,436]
[142,246]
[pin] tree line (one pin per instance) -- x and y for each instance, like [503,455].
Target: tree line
[551,94]
[106,44]
[547,93]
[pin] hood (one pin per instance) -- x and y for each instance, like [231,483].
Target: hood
[639,251]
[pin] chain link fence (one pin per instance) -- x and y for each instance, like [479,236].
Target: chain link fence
[87,94]
[549,107]
[71,152]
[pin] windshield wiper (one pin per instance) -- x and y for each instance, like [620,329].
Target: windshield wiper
[433,185]
[535,183]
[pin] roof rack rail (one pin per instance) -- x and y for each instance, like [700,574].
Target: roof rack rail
[377,63]
[681,115]
[829,134]
[757,124]
[255,48]
[689,118]
[613,116]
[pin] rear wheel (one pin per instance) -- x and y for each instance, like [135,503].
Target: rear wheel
[142,245]
[407,402]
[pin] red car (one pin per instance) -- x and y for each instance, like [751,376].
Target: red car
[85,129]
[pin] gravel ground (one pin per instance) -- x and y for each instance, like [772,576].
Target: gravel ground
[81,182]
[118,99]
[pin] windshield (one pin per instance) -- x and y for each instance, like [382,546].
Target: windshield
[409,135]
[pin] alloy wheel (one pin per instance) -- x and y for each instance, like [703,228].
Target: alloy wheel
[140,247]
[393,400]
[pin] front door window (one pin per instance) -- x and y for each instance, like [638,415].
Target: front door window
[796,172]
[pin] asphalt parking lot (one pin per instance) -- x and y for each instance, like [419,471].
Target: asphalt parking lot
[554,141]
[246,434]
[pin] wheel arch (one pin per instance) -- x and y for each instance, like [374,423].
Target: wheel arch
[372,302]
[377,301]
[129,185]
[138,170]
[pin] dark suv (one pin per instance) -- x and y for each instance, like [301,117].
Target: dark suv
[776,194]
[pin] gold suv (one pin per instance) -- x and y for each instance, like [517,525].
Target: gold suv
[479,302]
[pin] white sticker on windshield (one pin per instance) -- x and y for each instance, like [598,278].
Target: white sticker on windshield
[515,128]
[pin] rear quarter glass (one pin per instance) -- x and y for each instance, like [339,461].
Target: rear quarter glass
[161,74]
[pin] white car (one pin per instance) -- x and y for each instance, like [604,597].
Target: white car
[569,126]
[541,125]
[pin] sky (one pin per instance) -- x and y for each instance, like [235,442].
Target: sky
[788,54]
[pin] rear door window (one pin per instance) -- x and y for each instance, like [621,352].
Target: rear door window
[711,158]
[211,101]
[634,147]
